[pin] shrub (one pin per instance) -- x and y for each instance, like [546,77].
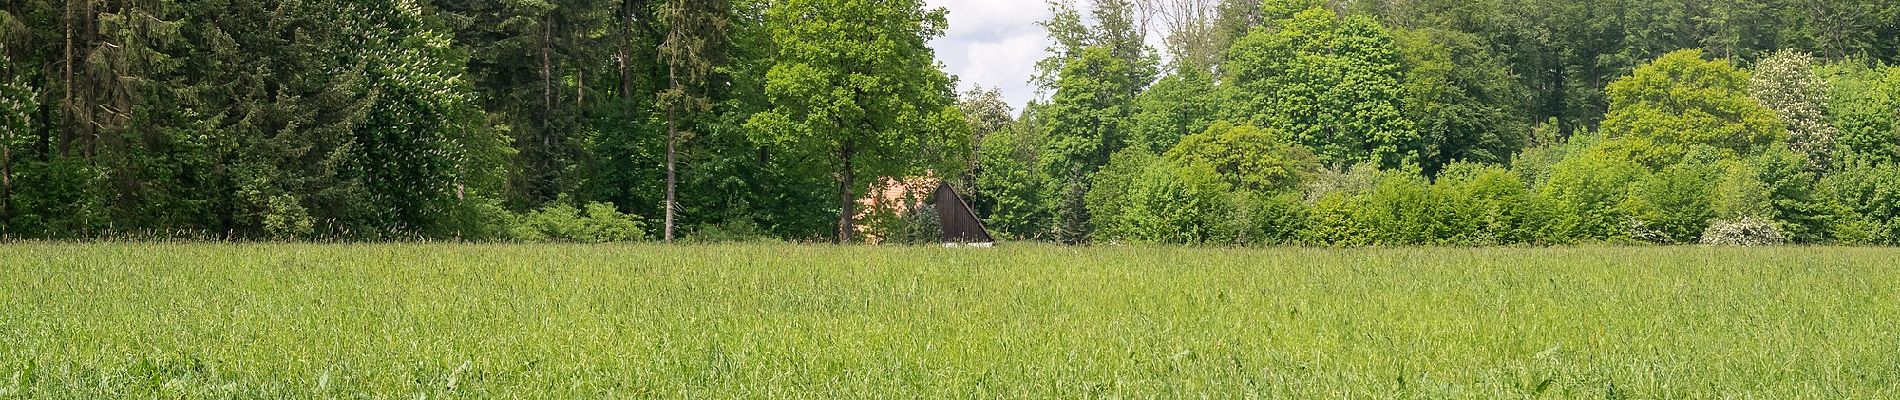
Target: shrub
[475,218]
[1009,189]
[1456,213]
[1535,163]
[1740,194]
[1867,201]
[1502,207]
[1351,180]
[1672,206]
[1863,103]
[1588,195]
[1399,208]
[1143,198]
[921,225]
[284,217]
[1333,221]
[1743,232]
[1247,158]
[56,199]
[1260,219]
[1167,203]
[562,222]
[1112,186]
[1792,203]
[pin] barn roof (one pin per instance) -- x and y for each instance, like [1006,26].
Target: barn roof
[959,222]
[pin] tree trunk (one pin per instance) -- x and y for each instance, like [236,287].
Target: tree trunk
[81,136]
[625,61]
[90,98]
[547,70]
[672,179]
[66,110]
[6,178]
[540,189]
[44,147]
[847,202]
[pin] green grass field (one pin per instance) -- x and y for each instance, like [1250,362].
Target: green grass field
[786,321]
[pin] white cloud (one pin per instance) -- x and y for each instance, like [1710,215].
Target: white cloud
[1010,60]
[997,43]
[993,43]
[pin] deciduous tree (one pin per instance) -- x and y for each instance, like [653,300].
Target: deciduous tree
[856,81]
[1787,84]
[1680,102]
[1330,83]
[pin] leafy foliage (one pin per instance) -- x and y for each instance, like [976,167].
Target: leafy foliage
[1330,83]
[1744,232]
[562,222]
[1010,189]
[1465,102]
[1864,104]
[1274,122]
[855,81]
[1086,122]
[1673,205]
[1495,205]
[920,226]
[1260,219]
[1678,103]
[1178,105]
[1246,158]
[1143,198]
[1869,201]
[1589,192]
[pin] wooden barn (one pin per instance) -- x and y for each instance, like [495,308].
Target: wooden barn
[957,222]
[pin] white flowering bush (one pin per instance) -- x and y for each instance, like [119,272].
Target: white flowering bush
[1747,231]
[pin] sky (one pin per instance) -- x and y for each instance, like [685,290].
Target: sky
[996,43]
[993,43]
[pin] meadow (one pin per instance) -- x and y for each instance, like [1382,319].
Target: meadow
[1018,321]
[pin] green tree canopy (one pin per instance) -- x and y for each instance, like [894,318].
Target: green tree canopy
[1864,104]
[1330,83]
[1085,123]
[1669,107]
[1246,157]
[1139,197]
[857,81]
[986,114]
[1464,100]
[1179,105]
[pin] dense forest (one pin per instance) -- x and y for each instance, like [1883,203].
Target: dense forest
[1373,122]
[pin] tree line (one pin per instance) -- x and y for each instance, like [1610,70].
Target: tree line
[1376,122]
[521,119]
[1455,123]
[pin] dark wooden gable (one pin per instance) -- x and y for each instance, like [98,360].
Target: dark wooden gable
[960,224]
